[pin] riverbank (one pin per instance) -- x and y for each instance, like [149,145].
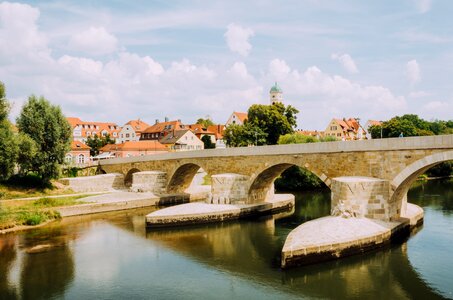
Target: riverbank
[27,213]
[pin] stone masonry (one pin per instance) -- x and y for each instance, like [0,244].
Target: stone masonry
[149,181]
[362,197]
[106,182]
[397,160]
[229,189]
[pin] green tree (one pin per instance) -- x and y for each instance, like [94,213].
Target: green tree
[96,143]
[274,120]
[48,127]
[8,145]
[244,135]
[205,122]
[4,105]
[27,151]
[8,150]
[208,144]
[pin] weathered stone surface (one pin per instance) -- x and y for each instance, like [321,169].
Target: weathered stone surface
[98,183]
[229,189]
[149,181]
[398,161]
[334,237]
[361,197]
[201,212]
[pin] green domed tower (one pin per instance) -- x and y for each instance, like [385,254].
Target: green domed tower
[276,94]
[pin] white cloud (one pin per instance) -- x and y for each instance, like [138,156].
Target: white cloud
[278,69]
[237,39]
[19,34]
[346,61]
[94,41]
[413,72]
[423,6]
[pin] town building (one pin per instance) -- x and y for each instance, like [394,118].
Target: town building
[161,129]
[345,129]
[182,140]
[131,148]
[131,131]
[79,154]
[370,123]
[218,131]
[237,118]
[276,94]
[81,130]
[200,132]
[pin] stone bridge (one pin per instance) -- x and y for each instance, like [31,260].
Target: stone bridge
[369,177]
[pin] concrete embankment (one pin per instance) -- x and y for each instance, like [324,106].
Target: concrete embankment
[201,212]
[122,200]
[334,237]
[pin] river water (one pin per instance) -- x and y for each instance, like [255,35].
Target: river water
[112,256]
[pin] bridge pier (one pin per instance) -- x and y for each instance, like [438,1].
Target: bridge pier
[362,197]
[149,181]
[229,188]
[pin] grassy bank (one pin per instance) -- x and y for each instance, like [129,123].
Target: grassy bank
[29,186]
[17,213]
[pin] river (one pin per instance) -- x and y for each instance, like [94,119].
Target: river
[112,256]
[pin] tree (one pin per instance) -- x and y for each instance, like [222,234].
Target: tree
[274,120]
[4,105]
[8,145]
[208,144]
[205,122]
[48,127]
[27,151]
[95,143]
[244,135]
[8,150]
[264,126]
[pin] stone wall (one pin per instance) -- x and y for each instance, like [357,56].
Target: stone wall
[149,181]
[98,183]
[229,189]
[361,197]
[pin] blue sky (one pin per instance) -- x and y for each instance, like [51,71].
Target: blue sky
[117,60]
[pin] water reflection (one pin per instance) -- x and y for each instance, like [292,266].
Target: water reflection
[113,256]
[8,255]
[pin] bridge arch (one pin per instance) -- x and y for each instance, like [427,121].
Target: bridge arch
[403,181]
[262,183]
[128,177]
[182,177]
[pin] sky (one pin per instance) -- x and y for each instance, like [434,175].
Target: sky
[121,60]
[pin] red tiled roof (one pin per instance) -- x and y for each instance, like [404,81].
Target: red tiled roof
[138,125]
[164,126]
[241,116]
[77,145]
[135,146]
[218,130]
[374,123]
[99,127]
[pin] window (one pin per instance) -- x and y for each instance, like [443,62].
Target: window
[68,158]
[88,133]
[114,134]
[127,135]
[333,127]
[338,134]
[81,159]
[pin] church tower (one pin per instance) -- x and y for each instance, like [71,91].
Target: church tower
[276,94]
